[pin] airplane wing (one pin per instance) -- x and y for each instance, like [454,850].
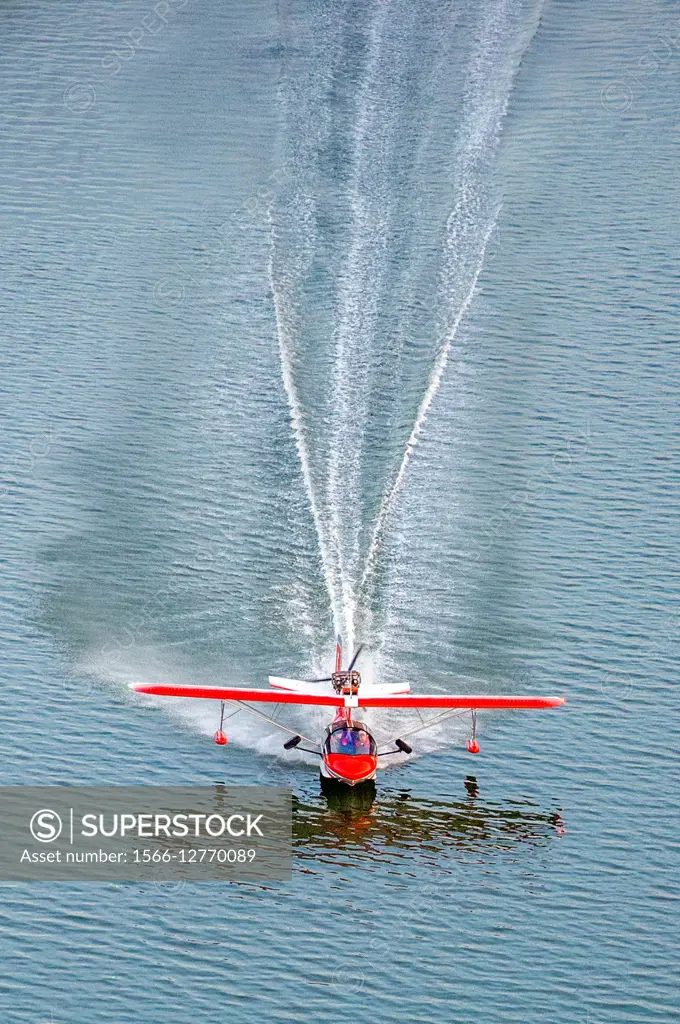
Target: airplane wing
[241,693]
[440,700]
[399,700]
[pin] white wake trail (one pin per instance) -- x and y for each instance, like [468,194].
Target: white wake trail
[356,321]
[292,219]
[487,97]
[285,336]
[438,369]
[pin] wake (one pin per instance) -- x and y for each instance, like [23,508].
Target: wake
[500,35]
[467,235]
[390,497]
[357,315]
[285,339]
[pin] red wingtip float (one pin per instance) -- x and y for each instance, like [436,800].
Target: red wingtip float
[348,751]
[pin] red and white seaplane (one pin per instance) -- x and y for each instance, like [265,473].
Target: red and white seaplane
[349,753]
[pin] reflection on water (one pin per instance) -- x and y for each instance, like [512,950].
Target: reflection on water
[357,821]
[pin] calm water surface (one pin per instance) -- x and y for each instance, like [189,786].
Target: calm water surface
[354,317]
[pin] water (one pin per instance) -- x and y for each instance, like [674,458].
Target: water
[357,317]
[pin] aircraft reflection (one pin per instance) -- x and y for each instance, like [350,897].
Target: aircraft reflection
[351,820]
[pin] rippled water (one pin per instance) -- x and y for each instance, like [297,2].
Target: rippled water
[357,317]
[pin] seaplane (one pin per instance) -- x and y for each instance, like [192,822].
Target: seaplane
[348,751]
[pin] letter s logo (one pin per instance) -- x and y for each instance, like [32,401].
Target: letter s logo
[46,826]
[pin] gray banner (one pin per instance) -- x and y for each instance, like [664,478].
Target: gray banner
[144,833]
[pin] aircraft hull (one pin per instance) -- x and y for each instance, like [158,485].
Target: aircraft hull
[366,775]
[332,785]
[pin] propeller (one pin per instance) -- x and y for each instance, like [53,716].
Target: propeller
[356,655]
[329,679]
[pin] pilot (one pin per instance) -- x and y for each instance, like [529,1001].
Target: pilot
[348,740]
[362,742]
[346,737]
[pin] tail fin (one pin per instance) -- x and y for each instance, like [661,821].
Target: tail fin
[338,654]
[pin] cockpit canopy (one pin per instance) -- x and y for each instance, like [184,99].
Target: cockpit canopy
[350,739]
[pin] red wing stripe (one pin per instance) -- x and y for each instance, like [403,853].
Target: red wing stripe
[406,700]
[240,693]
[419,700]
